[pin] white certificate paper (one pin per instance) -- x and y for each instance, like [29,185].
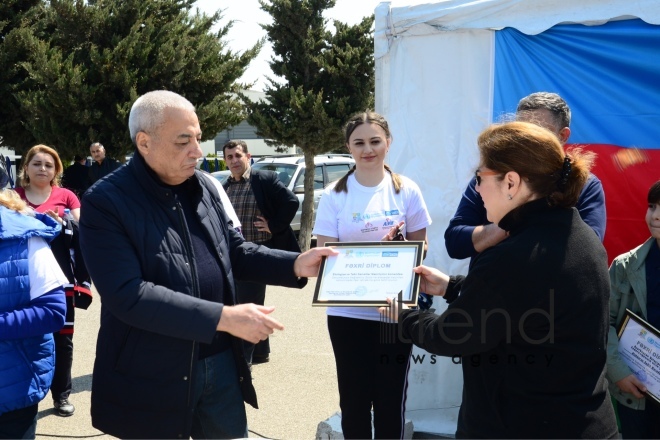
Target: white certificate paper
[639,347]
[366,273]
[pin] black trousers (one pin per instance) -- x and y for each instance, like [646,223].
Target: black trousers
[60,389]
[61,386]
[371,372]
[640,423]
[20,423]
[249,292]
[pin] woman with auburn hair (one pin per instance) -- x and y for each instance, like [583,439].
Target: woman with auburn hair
[31,308]
[40,188]
[529,322]
[363,206]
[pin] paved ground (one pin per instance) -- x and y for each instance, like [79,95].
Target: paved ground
[296,389]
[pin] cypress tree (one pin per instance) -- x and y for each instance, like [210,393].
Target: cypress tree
[16,17]
[323,78]
[90,60]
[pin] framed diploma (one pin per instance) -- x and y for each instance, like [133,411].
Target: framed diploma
[639,347]
[365,273]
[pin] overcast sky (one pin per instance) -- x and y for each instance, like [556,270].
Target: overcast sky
[247,16]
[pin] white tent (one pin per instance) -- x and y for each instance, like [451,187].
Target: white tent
[434,83]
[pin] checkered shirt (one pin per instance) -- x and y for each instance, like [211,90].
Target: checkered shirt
[242,199]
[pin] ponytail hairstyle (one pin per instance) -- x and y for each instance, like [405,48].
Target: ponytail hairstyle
[538,157]
[367,117]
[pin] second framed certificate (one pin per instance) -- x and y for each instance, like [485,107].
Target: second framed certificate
[639,347]
[364,274]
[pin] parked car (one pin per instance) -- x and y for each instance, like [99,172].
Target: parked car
[221,175]
[291,171]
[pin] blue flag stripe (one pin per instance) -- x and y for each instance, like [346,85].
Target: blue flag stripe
[608,74]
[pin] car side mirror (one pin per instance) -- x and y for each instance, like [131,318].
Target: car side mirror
[300,189]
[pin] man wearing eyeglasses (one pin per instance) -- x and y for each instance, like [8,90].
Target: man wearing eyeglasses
[469,231]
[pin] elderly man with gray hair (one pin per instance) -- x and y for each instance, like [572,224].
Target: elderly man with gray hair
[163,255]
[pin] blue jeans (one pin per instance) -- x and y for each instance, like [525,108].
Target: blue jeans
[218,401]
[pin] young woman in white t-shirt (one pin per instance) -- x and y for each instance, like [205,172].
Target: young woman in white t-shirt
[364,205]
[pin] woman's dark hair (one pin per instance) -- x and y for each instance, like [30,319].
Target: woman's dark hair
[654,193]
[366,117]
[537,155]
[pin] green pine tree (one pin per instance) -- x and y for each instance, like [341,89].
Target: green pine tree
[16,18]
[90,60]
[324,77]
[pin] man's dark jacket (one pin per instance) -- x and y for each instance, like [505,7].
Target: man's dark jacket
[76,178]
[277,204]
[97,172]
[139,253]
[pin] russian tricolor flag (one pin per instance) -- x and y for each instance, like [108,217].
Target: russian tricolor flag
[610,77]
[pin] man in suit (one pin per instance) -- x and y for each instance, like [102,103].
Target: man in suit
[265,208]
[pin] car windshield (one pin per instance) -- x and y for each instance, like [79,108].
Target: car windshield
[284,170]
[221,175]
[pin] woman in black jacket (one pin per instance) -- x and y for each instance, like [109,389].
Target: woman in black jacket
[529,321]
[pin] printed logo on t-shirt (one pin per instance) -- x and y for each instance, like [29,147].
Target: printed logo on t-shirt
[367,216]
[388,222]
[369,227]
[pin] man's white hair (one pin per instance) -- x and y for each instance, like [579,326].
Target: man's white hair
[147,112]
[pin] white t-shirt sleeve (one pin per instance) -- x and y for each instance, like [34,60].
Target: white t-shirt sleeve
[417,215]
[229,209]
[326,222]
[45,273]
